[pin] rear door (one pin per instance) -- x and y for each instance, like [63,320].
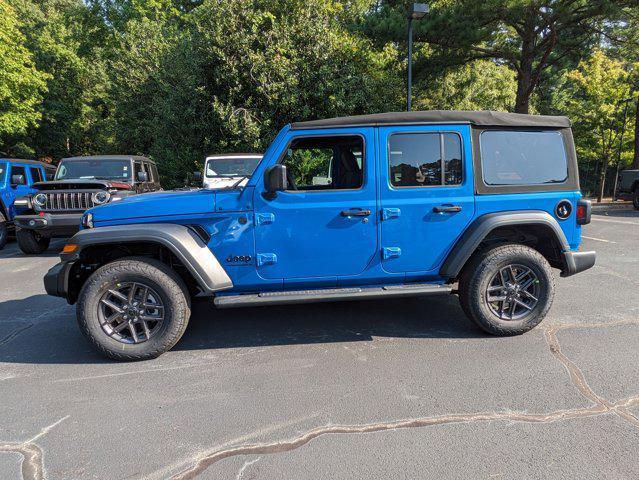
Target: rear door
[426,193]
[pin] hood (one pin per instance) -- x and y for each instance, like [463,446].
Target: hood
[81,184]
[156,204]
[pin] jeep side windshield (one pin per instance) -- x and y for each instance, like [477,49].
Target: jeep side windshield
[523,157]
[231,167]
[94,169]
[3,172]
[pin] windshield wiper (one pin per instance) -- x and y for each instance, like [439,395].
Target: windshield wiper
[244,177]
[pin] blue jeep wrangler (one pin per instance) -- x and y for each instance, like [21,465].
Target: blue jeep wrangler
[385,205]
[16,180]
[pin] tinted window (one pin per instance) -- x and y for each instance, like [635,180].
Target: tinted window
[101,169]
[523,158]
[417,159]
[36,174]
[3,171]
[16,170]
[325,163]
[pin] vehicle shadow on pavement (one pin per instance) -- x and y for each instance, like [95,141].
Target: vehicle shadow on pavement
[46,332]
[415,317]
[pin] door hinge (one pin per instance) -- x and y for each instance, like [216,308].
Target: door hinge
[388,213]
[266,259]
[263,218]
[391,252]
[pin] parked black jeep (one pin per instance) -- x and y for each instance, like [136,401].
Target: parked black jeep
[55,208]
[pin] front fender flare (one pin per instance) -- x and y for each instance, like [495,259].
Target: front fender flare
[480,228]
[182,241]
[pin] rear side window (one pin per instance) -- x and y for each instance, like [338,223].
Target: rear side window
[425,159]
[523,157]
[36,174]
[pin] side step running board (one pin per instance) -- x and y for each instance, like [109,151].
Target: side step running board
[328,295]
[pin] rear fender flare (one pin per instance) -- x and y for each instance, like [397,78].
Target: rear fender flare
[481,228]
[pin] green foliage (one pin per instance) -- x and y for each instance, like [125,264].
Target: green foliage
[180,79]
[594,96]
[21,84]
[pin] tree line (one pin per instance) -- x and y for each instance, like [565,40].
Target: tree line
[179,79]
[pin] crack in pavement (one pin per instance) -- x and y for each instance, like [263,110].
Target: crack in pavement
[32,467]
[601,406]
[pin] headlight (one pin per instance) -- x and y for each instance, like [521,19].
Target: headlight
[101,197]
[87,220]
[40,200]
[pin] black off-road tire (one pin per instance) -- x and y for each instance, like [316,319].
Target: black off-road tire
[476,278]
[635,199]
[168,285]
[4,232]
[30,242]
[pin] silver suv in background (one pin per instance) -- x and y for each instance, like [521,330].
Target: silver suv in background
[229,169]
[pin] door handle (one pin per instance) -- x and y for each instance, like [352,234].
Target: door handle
[355,213]
[447,209]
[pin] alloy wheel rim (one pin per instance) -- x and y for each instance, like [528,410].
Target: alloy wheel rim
[513,292]
[131,312]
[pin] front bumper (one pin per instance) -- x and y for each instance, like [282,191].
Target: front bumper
[50,225]
[56,280]
[578,262]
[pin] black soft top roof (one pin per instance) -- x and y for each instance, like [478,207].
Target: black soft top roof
[479,118]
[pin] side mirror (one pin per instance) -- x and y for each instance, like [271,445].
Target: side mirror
[17,180]
[143,177]
[197,176]
[274,181]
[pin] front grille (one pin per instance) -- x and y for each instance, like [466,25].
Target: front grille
[68,201]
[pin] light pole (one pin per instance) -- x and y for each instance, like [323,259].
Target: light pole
[417,12]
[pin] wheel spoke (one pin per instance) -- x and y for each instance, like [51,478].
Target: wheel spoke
[134,333]
[112,305]
[147,332]
[118,294]
[121,327]
[519,302]
[513,305]
[501,298]
[132,293]
[149,318]
[530,295]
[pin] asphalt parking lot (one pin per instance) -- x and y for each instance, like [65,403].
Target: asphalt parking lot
[380,389]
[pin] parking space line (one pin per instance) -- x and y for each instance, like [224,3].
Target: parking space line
[607,220]
[598,239]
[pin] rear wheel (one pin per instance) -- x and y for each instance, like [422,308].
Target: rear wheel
[31,242]
[635,199]
[507,290]
[133,309]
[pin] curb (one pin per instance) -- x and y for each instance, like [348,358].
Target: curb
[611,206]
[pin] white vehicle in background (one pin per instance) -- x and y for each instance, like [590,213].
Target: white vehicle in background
[229,169]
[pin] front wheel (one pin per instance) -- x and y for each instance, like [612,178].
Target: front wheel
[635,199]
[133,309]
[507,290]
[30,242]
[4,232]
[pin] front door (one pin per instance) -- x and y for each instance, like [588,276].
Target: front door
[325,224]
[426,192]
[17,189]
